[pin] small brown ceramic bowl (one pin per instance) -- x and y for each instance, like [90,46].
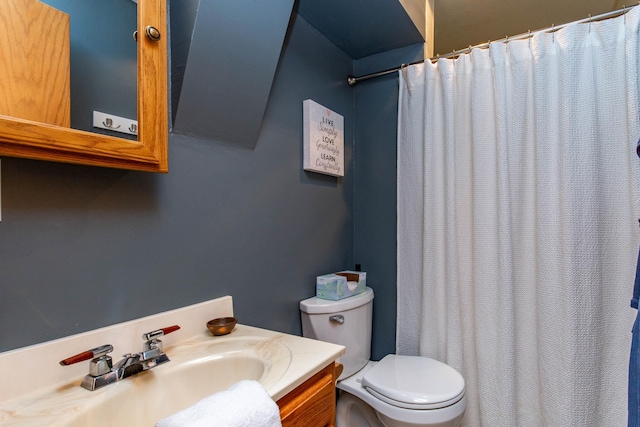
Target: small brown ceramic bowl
[222,325]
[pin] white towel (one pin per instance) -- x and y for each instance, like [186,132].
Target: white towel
[244,404]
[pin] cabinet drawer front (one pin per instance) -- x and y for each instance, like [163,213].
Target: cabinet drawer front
[312,404]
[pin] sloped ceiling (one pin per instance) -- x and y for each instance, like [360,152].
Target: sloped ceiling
[361,27]
[366,27]
[234,50]
[460,23]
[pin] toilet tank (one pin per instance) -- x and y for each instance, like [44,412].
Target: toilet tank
[346,322]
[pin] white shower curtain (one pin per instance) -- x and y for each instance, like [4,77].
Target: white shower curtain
[517,222]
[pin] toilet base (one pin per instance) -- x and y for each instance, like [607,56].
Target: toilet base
[358,408]
[358,413]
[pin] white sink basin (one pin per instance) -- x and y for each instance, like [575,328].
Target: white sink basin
[193,373]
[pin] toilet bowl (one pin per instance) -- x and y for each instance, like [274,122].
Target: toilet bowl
[439,409]
[397,391]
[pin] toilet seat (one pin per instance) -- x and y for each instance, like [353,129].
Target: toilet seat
[414,382]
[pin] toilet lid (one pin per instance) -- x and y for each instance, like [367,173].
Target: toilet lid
[414,382]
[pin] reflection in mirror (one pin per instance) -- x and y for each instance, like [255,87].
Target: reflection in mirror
[116,83]
[34,66]
[103,61]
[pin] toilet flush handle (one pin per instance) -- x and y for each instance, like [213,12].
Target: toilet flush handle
[338,318]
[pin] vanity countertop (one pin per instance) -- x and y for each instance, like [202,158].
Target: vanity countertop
[57,404]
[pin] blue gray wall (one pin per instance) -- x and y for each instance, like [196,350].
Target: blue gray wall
[84,247]
[376,115]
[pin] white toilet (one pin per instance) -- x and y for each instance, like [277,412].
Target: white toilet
[397,391]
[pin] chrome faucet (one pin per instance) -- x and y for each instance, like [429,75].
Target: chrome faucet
[101,369]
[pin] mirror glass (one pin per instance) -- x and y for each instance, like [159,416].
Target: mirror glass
[103,64]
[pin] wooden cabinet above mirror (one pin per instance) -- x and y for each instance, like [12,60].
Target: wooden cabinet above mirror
[36,140]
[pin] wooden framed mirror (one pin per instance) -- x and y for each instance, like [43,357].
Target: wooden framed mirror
[36,140]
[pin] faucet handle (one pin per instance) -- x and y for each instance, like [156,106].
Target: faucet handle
[100,363]
[97,352]
[159,332]
[100,367]
[153,346]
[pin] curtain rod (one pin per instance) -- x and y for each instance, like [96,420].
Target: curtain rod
[352,80]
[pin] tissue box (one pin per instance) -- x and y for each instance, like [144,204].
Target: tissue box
[340,285]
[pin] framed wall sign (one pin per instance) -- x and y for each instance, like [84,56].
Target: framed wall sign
[323,139]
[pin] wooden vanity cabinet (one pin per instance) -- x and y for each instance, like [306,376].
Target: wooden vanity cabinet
[313,403]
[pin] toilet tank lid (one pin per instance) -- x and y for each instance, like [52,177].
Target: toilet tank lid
[316,305]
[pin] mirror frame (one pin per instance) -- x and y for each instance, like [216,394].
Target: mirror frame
[34,140]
